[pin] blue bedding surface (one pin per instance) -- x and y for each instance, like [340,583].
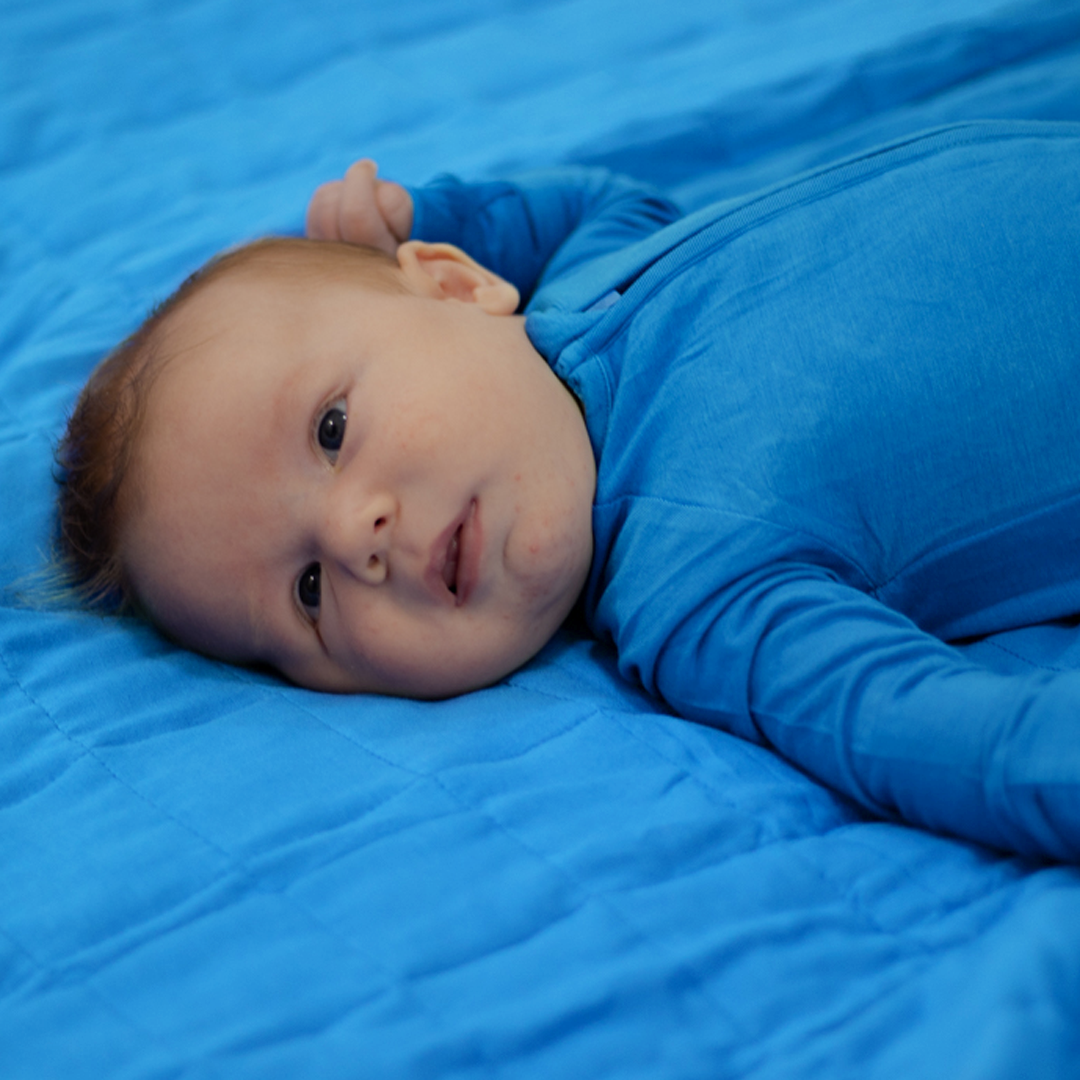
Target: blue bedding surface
[209,873]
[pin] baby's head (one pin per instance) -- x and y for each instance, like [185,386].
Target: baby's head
[354,468]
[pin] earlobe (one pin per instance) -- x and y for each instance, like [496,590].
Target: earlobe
[445,272]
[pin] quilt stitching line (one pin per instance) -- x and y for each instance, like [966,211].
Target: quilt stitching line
[922,953]
[87,986]
[464,804]
[944,908]
[685,774]
[615,715]
[794,842]
[715,793]
[51,969]
[588,893]
[238,865]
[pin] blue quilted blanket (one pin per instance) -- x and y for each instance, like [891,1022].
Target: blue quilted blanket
[206,873]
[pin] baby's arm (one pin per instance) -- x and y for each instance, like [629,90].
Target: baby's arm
[859,697]
[541,223]
[518,229]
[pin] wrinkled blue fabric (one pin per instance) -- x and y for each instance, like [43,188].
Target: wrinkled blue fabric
[208,873]
[835,425]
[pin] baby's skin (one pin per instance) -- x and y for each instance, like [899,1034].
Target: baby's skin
[370,490]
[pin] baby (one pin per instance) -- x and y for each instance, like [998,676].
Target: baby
[349,466]
[783,449]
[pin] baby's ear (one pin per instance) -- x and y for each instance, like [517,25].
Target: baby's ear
[445,272]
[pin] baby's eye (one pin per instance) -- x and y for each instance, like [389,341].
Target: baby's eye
[330,432]
[308,589]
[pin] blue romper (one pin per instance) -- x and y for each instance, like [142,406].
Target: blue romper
[836,426]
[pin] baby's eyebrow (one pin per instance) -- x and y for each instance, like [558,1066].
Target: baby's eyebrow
[256,624]
[259,618]
[286,407]
[290,403]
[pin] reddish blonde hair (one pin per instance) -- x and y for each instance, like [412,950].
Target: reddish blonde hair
[95,456]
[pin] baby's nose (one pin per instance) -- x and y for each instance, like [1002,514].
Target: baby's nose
[358,536]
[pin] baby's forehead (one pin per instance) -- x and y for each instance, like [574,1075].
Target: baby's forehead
[204,484]
[217,327]
[293,266]
[270,277]
[228,297]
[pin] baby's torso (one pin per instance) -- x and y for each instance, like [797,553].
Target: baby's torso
[873,370]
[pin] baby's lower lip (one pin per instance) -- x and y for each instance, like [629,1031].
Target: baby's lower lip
[450,567]
[471,546]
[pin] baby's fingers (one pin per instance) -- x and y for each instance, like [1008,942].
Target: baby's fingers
[322,213]
[396,207]
[360,221]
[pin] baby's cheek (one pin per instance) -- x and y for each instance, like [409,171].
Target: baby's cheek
[548,556]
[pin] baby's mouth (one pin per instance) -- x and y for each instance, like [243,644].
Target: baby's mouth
[454,565]
[450,567]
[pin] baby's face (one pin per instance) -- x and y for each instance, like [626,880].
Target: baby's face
[386,493]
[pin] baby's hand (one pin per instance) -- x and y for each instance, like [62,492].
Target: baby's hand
[361,209]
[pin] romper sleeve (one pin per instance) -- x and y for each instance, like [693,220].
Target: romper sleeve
[858,696]
[541,224]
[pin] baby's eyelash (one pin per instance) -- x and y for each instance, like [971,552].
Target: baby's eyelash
[330,428]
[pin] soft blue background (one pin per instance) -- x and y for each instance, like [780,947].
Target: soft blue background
[206,873]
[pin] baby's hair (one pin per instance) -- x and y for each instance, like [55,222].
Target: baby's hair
[95,456]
